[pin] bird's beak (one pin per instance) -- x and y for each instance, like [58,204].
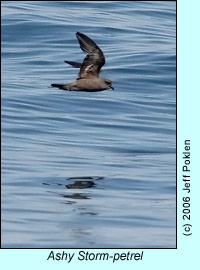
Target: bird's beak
[112,88]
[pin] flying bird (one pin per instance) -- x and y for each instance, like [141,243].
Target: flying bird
[88,76]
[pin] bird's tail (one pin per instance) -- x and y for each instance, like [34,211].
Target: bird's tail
[60,86]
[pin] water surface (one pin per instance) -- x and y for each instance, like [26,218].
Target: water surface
[86,169]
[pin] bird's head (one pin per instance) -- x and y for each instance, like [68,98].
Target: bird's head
[108,83]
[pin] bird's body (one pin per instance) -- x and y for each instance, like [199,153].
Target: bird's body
[85,84]
[88,76]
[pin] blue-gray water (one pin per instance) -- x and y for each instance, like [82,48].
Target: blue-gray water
[86,169]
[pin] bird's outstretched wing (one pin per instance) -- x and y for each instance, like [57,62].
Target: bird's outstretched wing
[94,60]
[74,64]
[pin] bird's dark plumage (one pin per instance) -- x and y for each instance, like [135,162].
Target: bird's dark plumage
[73,64]
[94,59]
[88,76]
